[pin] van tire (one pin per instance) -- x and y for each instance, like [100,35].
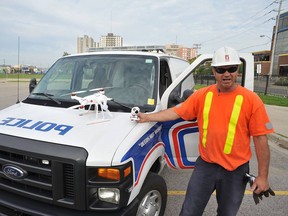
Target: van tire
[153,196]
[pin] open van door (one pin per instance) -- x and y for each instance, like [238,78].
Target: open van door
[181,137]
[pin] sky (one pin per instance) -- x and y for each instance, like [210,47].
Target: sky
[38,32]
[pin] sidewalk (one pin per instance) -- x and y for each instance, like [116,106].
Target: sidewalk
[279,117]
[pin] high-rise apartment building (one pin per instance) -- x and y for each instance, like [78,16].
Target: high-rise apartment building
[87,44]
[84,43]
[111,40]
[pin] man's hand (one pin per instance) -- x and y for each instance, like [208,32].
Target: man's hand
[258,197]
[142,117]
[259,187]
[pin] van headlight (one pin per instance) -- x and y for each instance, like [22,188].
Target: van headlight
[111,195]
[109,188]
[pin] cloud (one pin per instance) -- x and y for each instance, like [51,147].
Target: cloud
[47,29]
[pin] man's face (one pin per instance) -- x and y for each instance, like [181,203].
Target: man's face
[226,76]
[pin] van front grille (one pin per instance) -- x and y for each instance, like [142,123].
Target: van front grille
[48,173]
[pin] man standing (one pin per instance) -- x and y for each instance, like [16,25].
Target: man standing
[227,115]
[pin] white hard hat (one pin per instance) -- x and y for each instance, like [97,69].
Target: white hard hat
[225,56]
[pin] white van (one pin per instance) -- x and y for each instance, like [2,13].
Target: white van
[72,147]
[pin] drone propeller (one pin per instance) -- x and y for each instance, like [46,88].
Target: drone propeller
[74,93]
[83,91]
[99,89]
[96,89]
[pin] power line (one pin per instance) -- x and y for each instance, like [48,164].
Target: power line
[245,23]
[253,46]
[262,11]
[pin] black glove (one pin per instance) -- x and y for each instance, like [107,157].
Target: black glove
[256,197]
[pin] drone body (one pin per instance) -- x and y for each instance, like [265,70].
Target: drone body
[96,99]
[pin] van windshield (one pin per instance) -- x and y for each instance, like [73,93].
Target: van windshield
[127,79]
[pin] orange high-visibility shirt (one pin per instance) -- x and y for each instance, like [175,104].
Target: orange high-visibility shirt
[226,122]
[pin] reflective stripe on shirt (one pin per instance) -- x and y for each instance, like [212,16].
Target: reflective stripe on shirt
[232,123]
[207,106]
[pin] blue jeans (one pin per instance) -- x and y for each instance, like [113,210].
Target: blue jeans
[207,177]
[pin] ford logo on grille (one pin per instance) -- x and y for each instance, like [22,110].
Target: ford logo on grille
[14,172]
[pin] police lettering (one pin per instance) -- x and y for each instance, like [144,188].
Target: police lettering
[35,125]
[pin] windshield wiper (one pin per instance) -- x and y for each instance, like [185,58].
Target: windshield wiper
[50,96]
[120,104]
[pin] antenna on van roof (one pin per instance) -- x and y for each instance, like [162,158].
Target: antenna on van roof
[18,91]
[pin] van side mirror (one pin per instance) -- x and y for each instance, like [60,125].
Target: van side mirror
[187,93]
[175,98]
[32,84]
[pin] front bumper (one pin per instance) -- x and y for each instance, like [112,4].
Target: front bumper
[12,205]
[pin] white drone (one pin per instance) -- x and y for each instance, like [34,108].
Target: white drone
[96,99]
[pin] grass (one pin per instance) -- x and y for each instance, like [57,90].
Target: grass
[21,76]
[274,100]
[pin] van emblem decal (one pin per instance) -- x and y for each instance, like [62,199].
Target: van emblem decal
[14,172]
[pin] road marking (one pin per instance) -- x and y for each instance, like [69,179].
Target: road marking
[247,192]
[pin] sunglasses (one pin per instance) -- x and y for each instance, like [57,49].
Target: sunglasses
[231,69]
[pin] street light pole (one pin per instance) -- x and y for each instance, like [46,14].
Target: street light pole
[270,39]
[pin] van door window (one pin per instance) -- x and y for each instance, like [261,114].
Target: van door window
[165,77]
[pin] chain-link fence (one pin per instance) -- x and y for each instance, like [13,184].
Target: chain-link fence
[268,85]
[271,85]
[204,79]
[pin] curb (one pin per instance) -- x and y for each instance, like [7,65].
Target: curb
[279,140]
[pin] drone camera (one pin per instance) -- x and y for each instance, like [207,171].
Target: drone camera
[134,113]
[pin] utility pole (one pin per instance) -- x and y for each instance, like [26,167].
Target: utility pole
[273,49]
[274,40]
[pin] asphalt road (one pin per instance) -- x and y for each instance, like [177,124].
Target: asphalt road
[9,92]
[177,180]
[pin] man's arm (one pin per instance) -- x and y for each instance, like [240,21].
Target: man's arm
[261,183]
[164,115]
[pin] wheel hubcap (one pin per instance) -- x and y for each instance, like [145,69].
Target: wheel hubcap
[150,204]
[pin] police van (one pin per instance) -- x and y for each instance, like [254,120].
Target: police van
[73,147]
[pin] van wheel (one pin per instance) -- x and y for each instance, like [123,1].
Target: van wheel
[153,196]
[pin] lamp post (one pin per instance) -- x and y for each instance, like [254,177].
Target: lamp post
[268,38]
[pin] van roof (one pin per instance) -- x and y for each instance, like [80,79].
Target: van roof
[146,53]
